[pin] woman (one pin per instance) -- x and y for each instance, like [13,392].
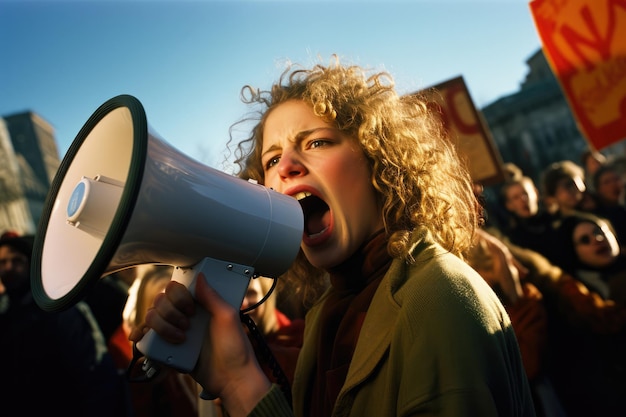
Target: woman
[406,326]
[609,194]
[588,335]
[564,189]
[592,255]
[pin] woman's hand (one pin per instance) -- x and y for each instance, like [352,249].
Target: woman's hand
[227,367]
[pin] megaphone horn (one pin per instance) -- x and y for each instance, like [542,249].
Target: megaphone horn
[124,197]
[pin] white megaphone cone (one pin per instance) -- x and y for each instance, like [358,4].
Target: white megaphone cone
[123,197]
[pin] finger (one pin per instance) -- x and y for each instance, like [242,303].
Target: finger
[173,333]
[171,310]
[137,333]
[180,297]
[523,271]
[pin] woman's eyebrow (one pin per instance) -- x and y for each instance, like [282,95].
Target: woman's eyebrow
[270,149]
[306,133]
[300,136]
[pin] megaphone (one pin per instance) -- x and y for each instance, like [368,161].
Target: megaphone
[123,197]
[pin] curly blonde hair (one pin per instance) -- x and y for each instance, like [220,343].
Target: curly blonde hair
[415,168]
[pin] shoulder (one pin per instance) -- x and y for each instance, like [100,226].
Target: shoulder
[439,284]
[447,280]
[436,273]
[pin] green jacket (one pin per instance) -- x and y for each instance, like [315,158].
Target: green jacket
[436,341]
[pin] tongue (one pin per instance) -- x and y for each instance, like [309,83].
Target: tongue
[317,222]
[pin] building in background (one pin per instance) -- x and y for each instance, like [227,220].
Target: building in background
[535,126]
[29,159]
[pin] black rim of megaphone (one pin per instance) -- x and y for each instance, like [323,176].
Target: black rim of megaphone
[122,215]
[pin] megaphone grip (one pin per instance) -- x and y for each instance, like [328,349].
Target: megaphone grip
[230,280]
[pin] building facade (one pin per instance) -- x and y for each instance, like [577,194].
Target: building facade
[29,160]
[535,126]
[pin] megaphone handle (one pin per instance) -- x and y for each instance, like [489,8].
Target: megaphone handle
[230,280]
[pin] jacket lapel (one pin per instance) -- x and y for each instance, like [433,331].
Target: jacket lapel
[375,335]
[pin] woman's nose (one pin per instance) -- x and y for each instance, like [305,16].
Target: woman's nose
[290,165]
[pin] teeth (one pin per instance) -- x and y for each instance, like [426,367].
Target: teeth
[302,195]
[314,235]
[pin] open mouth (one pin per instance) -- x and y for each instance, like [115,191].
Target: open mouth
[316,213]
[603,250]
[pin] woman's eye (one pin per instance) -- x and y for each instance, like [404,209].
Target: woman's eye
[316,143]
[271,162]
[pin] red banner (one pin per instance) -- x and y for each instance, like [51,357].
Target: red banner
[585,43]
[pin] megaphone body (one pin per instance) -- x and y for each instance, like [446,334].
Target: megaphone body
[124,197]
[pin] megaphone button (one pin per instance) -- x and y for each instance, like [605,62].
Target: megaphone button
[76,199]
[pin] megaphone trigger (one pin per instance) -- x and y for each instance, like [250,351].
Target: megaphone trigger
[231,282]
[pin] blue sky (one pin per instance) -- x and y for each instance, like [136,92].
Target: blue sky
[186,61]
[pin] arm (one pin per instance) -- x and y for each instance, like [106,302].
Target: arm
[504,273]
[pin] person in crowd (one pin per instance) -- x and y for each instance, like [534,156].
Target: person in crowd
[521,197]
[108,298]
[170,393]
[494,213]
[511,171]
[593,255]
[579,322]
[524,302]
[529,224]
[591,160]
[118,343]
[619,163]
[609,194]
[53,363]
[564,189]
[608,185]
[282,334]
[406,326]
[588,351]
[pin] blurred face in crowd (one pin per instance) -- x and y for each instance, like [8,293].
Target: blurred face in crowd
[14,269]
[569,193]
[254,294]
[595,246]
[593,161]
[610,187]
[152,287]
[522,199]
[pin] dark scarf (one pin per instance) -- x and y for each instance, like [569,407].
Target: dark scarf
[354,282]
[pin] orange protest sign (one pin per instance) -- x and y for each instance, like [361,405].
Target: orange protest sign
[585,43]
[452,102]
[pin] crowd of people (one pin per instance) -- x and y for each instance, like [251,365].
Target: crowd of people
[52,363]
[565,240]
[410,294]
